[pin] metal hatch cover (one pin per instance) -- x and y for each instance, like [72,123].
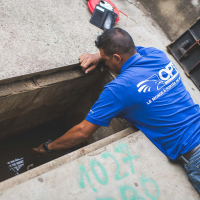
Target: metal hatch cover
[186,50]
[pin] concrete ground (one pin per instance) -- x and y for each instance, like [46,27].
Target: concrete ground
[41,35]
[174,17]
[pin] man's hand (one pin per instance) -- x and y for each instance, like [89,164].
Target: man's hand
[88,62]
[40,150]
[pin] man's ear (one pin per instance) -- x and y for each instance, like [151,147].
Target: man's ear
[117,57]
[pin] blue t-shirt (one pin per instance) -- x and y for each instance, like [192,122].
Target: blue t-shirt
[149,94]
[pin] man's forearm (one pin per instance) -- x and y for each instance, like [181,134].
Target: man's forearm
[74,136]
[71,138]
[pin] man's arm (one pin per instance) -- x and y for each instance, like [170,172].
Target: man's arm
[71,138]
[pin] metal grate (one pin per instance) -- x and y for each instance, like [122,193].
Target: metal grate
[186,50]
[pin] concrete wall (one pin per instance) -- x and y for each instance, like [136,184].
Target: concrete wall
[43,97]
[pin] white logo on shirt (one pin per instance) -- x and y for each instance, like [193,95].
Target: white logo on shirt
[164,76]
[91,111]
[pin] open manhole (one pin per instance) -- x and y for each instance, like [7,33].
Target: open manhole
[42,106]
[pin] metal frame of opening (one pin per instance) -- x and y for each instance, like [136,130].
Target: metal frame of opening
[186,50]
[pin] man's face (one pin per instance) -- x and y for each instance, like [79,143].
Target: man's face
[113,62]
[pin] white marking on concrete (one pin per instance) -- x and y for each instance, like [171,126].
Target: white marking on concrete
[195,2]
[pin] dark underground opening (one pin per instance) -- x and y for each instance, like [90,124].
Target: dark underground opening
[34,110]
[16,150]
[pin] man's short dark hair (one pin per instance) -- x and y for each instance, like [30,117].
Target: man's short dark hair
[115,41]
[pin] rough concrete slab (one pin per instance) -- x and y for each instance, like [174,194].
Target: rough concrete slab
[116,171]
[175,17]
[196,4]
[41,35]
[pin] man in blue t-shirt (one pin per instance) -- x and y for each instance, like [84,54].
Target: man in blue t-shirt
[149,93]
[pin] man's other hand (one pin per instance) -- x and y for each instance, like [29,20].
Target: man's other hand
[88,62]
[40,150]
